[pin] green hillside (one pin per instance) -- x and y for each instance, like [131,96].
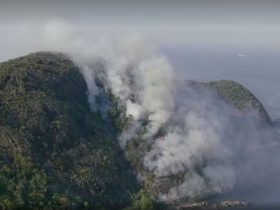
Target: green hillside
[239,96]
[235,94]
[53,150]
[55,153]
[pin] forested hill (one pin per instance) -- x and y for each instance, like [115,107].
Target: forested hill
[235,94]
[55,153]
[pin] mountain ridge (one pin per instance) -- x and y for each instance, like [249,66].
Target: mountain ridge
[55,151]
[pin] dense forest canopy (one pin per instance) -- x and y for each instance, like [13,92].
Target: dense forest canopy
[55,152]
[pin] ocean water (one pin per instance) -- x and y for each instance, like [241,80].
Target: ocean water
[256,69]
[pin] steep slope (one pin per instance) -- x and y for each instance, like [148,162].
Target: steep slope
[244,108]
[237,95]
[54,151]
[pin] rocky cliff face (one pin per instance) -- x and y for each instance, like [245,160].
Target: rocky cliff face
[55,152]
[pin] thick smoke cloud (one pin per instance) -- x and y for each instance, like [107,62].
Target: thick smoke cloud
[215,150]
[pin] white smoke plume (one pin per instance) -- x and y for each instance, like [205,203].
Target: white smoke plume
[138,75]
[214,150]
[202,139]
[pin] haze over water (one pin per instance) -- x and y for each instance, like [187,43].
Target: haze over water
[256,69]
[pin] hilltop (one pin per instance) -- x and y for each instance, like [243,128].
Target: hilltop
[55,152]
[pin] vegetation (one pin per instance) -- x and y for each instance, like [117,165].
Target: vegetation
[239,96]
[54,152]
[142,201]
[235,94]
[232,93]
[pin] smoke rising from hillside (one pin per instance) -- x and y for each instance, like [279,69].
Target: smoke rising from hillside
[214,150]
[202,139]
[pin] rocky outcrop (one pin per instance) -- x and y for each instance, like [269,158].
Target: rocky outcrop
[214,206]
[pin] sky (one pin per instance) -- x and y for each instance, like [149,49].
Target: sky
[252,23]
[203,39]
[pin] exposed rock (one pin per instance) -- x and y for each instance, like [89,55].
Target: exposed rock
[221,205]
